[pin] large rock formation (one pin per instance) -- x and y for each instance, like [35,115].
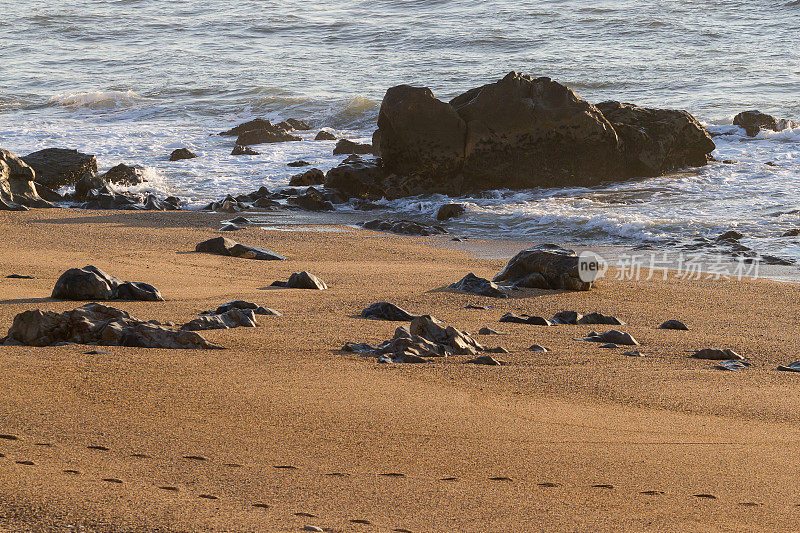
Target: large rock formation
[98,324]
[58,167]
[522,132]
[17,187]
[91,283]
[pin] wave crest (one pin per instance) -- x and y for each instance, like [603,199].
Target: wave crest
[96,99]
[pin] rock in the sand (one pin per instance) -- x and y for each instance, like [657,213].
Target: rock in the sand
[91,283]
[733,365]
[228,247]
[488,331]
[609,345]
[387,311]
[17,188]
[325,136]
[359,347]
[633,353]
[479,307]
[181,153]
[233,318]
[57,167]
[240,221]
[312,528]
[613,336]
[20,276]
[544,267]
[673,324]
[302,280]
[243,150]
[538,348]
[459,342]
[265,136]
[448,211]
[599,318]
[566,317]
[791,367]
[230,227]
[97,324]
[345,146]
[298,163]
[754,121]
[241,304]
[480,286]
[525,319]
[404,227]
[313,176]
[714,354]
[484,360]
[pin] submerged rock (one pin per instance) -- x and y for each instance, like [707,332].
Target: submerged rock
[325,136]
[58,167]
[265,136]
[754,121]
[91,283]
[544,267]
[717,355]
[404,227]
[225,246]
[97,324]
[232,318]
[243,150]
[181,153]
[480,286]
[387,311]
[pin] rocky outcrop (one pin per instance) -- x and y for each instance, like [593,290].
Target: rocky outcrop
[754,121]
[523,132]
[243,150]
[181,153]
[313,176]
[58,167]
[105,198]
[97,324]
[91,283]
[265,136]
[349,147]
[544,267]
[357,178]
[225,246]
[325,136]
[17,188]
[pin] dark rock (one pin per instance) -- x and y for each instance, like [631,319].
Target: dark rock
[240,220]
[673,324]
[349,147]
[126,175]
[295,124]
[243,150]
[232,318]
[566,317]
[480,286]
[525,319]
[359,347]
[57,167]
[91,283]
[792,233]
[404,227]
[657,141]
[313,176]
[600,318]
[498,349]
[325,136]
[17,188]
[753,121]
[181,153]
[230,227]
[86,184]
[791,367]
[46,193]
[240,304]
[255,124]
[538,348]
[311,201]
[366,205]
[448,211]
[299,163]
[488,331]
[20,276]
[97,324]
[609,345]
[730,237]
[357,178]
[733,365]
[225,246]
[387,311]
[266,203]
[473,306]
[614,337]
[265,136]
[717,355]
[544,267]
[484,360]
[305,280]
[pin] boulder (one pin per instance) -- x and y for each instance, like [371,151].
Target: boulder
[233,318]
[91,283]
[312,200]
[313,176]
[243,150]
[357,178]
[181,153]
[657,141]
[673,324]
[714,354]
[480,286]
[448,211]
[544,267]
[457,342]
[305,280]
[87,183]
[58,167]
[525,319]
[126,175]
[325,136]
[251,125]
[754,121]
[17,188]
[349,147]
[387,311]
[613,337]
[404,227]
[225,246]
[97,324]
[264,136]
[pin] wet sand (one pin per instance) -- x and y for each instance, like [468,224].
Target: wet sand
[283,425]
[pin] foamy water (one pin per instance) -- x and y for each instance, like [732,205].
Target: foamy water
[131,80]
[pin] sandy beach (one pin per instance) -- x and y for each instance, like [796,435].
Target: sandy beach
[282,430]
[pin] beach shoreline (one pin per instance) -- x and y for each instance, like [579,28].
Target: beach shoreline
[580,437]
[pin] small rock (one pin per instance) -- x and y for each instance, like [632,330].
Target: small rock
[241,304]
[312,528]
[791,367]
[448,211]
[473,306]
[538,348]
[325,136]
[359,347]
[484,360]
[730,237]
[305,280]
[181,153]
[498,349]
[230,227]
[227,320]
[732,365]
[633,353]
[244,150]
[614,337]
[313,176]
[480,286]
[792,233]
[228,247]
[404,227]
[240,221]
[599,318]
[717,355]
[386,311]
[20,276]
[525,319]
[91,283]
[609,345]
[674,324]
[566,317]
[299,163]
[265,136]
[489,331]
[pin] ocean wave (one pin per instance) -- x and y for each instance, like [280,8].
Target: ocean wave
[96,99]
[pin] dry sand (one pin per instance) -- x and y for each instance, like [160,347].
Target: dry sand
[521,447]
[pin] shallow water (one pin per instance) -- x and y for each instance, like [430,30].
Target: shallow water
[131,80]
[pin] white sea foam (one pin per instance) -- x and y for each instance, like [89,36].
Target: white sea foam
[96,99]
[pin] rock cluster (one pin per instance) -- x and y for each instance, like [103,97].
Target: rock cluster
[91,283]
